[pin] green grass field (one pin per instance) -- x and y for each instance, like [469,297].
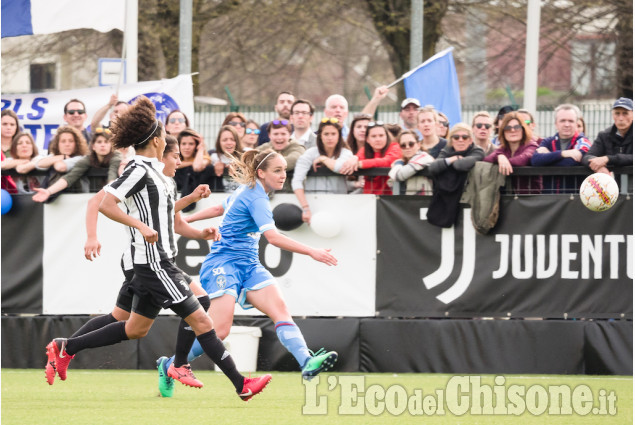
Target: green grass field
[131,397]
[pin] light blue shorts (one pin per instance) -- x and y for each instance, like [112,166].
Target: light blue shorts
[220,276]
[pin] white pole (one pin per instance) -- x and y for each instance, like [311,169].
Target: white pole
[416,33]
[132,36]
[185,37]
[531,55]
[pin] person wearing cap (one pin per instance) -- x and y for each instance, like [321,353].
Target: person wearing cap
[565,149]
[613,146]
[408,113]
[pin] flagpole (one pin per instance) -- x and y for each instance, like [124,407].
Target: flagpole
[407,74]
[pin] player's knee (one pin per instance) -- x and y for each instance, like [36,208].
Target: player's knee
[136,333]
[222,331]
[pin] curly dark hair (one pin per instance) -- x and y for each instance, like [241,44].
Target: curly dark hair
[81,148]
[137,126]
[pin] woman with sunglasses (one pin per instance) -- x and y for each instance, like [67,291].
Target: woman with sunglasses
[236,120]
[330,152]
[250,139]
[379,152]
[412,161]
[443,125]
[427,122]
[175,122]
[449,173]
[516,149]
[228,150]
[101,156]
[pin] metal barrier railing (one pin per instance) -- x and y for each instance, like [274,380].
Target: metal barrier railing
[623,177]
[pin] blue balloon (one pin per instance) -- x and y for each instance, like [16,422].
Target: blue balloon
[6,202]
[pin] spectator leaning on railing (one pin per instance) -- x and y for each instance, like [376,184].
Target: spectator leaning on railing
[565,149]
[24,157]
[613,146]
[516,150]
[413,160]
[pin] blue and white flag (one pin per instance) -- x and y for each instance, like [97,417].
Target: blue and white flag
[435,83]
[28,17]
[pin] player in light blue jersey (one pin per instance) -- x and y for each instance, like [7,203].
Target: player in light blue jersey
[232,272]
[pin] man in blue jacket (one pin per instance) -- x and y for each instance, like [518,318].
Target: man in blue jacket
[565,149]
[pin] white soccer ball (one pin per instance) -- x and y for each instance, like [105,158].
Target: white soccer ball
[325,224]
[599,192]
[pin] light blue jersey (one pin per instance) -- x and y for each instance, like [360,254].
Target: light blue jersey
[232,266]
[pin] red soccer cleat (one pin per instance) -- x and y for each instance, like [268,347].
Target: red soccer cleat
[253,386]
[58,360]
[184,375]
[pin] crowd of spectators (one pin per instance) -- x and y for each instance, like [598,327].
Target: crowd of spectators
[420,151]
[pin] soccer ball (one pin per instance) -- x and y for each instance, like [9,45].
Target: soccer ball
[599,192]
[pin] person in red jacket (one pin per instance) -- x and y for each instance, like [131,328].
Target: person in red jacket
[380,151]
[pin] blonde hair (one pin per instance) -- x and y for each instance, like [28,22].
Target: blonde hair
[459,127]
[245,169]
[431,110]
[484,114]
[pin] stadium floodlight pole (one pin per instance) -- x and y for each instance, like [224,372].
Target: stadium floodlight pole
[185,37]
[416,32]
[531,55]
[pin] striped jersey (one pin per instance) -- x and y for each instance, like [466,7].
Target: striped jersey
[247,215]
[149,196]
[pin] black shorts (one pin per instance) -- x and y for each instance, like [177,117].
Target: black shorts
[162,285]
[124,299]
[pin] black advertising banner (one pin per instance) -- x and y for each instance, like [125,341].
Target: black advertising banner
[548,256]
[22,247]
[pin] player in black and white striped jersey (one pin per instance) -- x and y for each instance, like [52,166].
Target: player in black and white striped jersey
[149,201]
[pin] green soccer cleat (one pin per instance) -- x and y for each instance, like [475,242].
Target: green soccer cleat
[166,384]
[320,362]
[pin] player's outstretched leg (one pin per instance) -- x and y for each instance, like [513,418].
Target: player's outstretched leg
[58,360]
[319,362]
[166,384]
[253,386]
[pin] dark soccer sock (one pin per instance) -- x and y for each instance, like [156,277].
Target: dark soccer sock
[186,337]
[95,323]
[108,335]
[215,349]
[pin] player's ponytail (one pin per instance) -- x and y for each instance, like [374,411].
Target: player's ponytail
[137,126]
[245,170]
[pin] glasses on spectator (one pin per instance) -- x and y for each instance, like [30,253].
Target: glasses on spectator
[444,123]
[100,130]
[410,144]
[76,111]
[375,123]
[237,123]
[280,122]
[331,120]
[516,127]
[175,120]
[460,136]
[481,125]
[305,113]
[252,131]
[527,121]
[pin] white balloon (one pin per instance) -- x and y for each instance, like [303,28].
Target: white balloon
[325,224]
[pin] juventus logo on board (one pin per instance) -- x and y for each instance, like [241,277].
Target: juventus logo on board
[440,275]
